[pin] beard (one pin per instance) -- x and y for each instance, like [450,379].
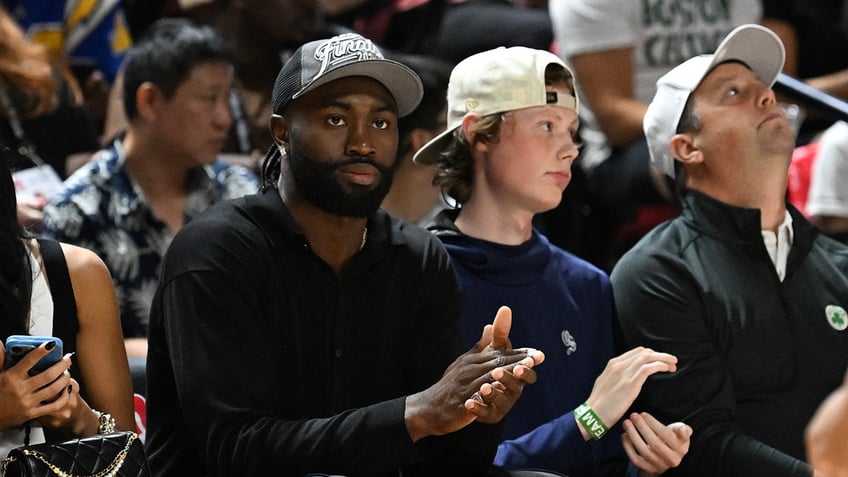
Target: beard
[317,183]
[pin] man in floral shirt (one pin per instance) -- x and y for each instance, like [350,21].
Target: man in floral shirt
[127,203]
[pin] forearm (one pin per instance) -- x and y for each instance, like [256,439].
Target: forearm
[84,423]
[835,84]
[558,445]
[722,451]
[469,451]
[621,121]
[417,417]
[363,441]
[258,411]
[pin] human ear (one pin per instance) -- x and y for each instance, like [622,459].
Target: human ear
[279,130]
[147,99]
[468,122]
[683,149]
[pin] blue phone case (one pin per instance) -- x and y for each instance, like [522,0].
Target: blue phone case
[19,345]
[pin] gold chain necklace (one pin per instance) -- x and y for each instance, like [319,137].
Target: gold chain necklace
[364,238]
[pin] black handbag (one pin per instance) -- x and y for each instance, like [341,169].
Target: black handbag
[120,454]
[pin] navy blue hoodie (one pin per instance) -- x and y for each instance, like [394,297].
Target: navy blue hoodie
[561,305]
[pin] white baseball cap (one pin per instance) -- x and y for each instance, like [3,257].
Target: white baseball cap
[754,45]
[496,81]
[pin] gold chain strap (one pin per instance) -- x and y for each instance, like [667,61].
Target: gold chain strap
[110,471]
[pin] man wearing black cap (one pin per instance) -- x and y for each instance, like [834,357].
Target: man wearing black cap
[746,293]
[302,330]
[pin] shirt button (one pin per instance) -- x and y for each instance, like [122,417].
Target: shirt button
[338,353]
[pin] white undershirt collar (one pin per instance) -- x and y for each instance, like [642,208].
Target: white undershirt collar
[778,244]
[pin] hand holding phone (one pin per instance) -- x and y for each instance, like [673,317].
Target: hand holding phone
[17,346]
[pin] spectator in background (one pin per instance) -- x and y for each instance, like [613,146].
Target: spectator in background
[130,200]
[305,330]
[62,291]
[413,196]
[827,199]
[263,34]
[448,30]
[618,50]
[740,287]
[472,26]
[506,156]
[92,36]
[42,120]
[812,31]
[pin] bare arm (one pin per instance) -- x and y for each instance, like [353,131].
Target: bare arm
[835,83]
[100,345]
[610,92]
[787,35]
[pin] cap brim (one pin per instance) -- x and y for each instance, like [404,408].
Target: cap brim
[757,47]
[429,153]
[403,84]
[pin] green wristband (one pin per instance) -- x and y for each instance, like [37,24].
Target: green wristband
[590,421]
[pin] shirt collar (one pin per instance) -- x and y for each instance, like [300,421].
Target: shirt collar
[778,244]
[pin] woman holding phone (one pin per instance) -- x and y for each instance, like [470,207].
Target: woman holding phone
[62,291]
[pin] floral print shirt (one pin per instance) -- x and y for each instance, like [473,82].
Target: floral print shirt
[100,208]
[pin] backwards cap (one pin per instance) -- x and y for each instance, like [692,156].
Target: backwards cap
[318,62]
[756,46]
[497,81]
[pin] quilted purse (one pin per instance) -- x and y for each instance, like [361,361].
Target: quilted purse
[120,454]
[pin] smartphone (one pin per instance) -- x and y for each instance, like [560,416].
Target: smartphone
[17,346]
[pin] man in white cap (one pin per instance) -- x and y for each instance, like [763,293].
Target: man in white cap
[301,330]
[741,287]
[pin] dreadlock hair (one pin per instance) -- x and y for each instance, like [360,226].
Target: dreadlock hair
[15,271]
[271,165]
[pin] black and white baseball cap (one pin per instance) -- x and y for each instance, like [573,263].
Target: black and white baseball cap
[318,62]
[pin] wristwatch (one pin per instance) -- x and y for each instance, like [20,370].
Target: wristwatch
[107,422]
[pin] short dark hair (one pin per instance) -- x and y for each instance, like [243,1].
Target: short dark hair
[689,122]
[167,54]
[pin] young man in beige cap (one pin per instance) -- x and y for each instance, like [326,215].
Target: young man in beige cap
[302,330]
[506,156]
[741,287]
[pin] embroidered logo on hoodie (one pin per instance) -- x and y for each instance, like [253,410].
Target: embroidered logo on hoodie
[569,342]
